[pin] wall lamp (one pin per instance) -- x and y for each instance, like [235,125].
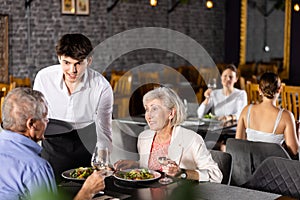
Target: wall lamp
[296,7]
[209,4]
[153,3]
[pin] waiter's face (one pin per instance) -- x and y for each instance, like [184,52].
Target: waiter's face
[73,69]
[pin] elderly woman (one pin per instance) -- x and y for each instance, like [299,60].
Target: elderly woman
[266,122]
[190,158]
[228,102]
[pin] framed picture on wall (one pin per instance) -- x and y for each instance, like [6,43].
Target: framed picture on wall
[83,7]
[4,48]
[68,6]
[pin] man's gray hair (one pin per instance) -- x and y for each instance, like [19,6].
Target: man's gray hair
[19,105]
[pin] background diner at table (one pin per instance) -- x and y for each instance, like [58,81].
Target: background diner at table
[224,104]
[265,121]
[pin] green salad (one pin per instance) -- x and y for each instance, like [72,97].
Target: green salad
[136,174]
[209,116]
[81,172]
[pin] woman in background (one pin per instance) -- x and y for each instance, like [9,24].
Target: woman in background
[265,122]
[226,103]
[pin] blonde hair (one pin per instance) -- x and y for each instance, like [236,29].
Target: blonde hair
[171,100]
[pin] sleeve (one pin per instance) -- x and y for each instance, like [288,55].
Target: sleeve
[207,168]
[104,119]
[37,85]
[203,109]
[241,102]
[41,180]
[143,146]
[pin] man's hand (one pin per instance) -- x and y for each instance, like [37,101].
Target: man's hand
[93,184]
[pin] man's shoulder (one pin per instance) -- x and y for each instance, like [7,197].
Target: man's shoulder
[50,69]
[97,78]
[94,73]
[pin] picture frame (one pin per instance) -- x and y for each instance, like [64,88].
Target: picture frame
[82,7]
[68,6]
[4,48]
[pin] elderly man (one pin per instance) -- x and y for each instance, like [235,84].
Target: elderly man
[23,171]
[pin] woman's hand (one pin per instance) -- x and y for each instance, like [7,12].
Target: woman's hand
[171,169]
[226,118]
[207,93]
[125,164]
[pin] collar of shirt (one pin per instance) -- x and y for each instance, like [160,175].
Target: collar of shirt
[83,83]
[18,138]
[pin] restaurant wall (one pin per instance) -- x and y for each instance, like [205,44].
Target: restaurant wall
[47,25]
[265,25]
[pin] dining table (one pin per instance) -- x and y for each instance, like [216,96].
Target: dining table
[179,189]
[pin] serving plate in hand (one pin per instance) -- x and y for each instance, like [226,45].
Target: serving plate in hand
[57,127]
[118,175]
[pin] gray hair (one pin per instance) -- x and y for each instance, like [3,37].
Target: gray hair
[169,99]
[19,105]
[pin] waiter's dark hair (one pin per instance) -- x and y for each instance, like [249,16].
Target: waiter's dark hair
[76,46]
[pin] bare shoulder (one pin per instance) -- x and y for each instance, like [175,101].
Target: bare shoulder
[245,109]
[244,112]
[287,115]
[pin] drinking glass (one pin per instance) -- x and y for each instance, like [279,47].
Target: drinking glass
[212,83]
[163,160]
[100,161]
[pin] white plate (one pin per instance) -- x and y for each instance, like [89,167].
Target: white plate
[210,120]
[156,174]
[66,175]
[192,123]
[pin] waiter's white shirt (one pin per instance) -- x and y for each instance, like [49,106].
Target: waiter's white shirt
[91,102]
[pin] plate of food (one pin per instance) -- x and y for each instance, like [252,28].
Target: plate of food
[78,174]
[210,118]
[137,175]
